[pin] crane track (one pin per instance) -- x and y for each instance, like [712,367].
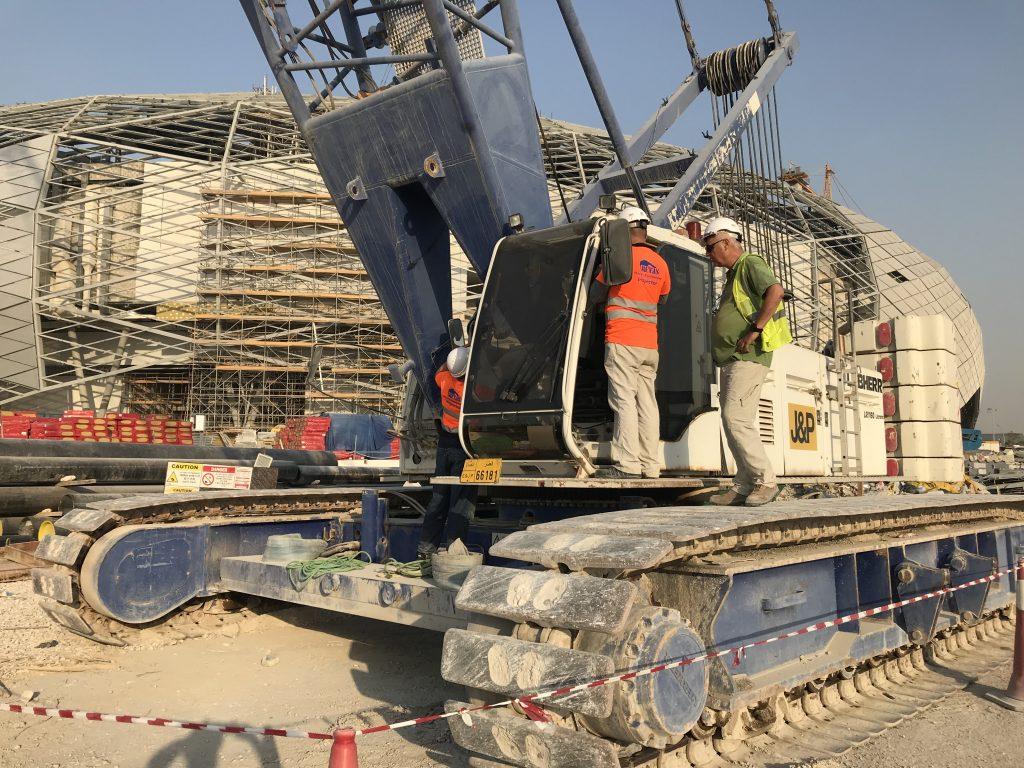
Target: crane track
[557,613]
[59,586]
[826,721]
[820,723]
[613,550]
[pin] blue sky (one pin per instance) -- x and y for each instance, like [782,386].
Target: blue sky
[915,104]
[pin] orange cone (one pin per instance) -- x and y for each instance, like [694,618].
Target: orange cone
[1014,696]
[343,750]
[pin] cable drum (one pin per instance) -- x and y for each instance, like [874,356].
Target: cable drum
[732,70]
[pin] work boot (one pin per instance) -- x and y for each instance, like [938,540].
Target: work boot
[614,473]
[728,498]
[761,495]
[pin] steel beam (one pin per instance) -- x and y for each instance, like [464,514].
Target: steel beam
[638,145]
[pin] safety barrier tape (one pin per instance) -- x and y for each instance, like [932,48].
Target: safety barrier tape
[528,702]
[73,714]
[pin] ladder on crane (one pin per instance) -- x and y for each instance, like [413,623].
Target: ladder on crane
[849,460]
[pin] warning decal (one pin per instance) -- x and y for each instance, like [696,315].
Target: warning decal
[191,477]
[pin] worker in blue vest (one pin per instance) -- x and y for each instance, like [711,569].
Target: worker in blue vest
[451,506]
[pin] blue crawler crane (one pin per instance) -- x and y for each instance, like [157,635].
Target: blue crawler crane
[583,577]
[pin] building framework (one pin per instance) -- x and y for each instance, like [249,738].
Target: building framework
[180,255]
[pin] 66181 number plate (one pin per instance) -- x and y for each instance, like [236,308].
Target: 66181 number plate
[483,471]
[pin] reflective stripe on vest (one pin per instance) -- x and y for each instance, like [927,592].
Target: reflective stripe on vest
[644,306]
[449,420]
[612,314]
[631,309]
[776,332]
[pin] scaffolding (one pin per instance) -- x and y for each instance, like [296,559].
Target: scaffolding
[189,260]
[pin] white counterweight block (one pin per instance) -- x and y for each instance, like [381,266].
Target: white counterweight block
[931,470]
[913,367]
[940,402]
[912,332]
[928,439]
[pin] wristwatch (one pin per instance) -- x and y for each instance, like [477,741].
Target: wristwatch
[755,328]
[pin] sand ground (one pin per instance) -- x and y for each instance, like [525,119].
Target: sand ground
[299,668]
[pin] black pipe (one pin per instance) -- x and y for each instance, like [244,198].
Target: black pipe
[30,500]
[5,540]
[53,448]
[19,470]
[10,526]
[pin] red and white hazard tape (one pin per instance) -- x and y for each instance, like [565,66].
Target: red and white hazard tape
[528,702]
[73,714]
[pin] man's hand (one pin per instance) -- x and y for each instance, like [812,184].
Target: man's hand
[743,345]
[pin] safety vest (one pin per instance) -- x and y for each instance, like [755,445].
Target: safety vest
[776,331]
[631,311]
[451,399]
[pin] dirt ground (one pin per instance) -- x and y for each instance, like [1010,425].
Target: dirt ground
[303,669]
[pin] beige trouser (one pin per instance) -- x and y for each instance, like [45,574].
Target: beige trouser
[739,391]
[635,440]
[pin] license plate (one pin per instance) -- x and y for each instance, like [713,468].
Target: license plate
[481,471]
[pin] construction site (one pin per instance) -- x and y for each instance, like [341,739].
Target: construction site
[313,452]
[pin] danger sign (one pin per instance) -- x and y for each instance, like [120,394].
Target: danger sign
[191,477]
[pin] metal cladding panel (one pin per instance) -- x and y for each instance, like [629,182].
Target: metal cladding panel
[399,219]
[22,177]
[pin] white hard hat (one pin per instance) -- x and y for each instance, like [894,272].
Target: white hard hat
[633,215]
[457,361]
[722,224]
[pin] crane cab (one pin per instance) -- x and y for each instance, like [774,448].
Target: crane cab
[536,390]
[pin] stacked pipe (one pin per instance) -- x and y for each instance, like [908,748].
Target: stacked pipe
[16,423]
[916,356]
[306,432]
[85,426]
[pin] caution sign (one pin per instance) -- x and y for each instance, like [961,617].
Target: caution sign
[803,427]
[192,477]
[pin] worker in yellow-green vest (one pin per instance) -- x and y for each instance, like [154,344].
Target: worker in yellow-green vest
[749,324]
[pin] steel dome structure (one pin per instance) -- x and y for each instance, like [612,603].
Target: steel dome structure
[180,254]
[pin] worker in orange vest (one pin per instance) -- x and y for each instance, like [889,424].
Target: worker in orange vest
[451,506]
[631,356]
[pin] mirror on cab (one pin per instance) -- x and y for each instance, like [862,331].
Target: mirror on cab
[616,252]
[457,332]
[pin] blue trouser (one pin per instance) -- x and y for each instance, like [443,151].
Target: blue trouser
[450,506]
